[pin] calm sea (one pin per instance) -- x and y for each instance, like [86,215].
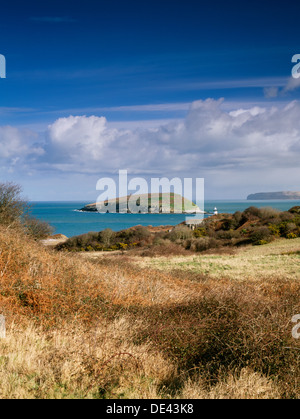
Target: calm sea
[66,219]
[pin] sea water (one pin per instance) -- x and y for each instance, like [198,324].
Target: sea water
[66,218]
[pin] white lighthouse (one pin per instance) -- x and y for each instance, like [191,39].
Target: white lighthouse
[215,211]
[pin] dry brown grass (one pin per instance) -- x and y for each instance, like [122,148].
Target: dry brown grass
[245,385]
[274,260]
[65,365]
[76,363]
[80,328]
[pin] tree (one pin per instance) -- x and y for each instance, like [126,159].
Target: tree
[12,206]
[14,211]
[107,236]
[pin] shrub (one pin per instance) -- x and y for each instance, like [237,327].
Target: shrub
[36,228]
[291,227]
[227,234]
[275,229]
[251,212]
[227,224]
[203,243]
[284,228]
[295,210]
[261,242]
[261,235]
[122,246]
[291,236]
[15,211]
[237,219]
[180,233]
[107,236]
[141,233]
[199,232]
[12,206]
[268,213]
[286,216]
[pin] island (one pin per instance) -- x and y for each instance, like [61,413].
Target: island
[273,196]
[154,203]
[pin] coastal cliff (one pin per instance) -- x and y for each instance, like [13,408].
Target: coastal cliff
[274,195]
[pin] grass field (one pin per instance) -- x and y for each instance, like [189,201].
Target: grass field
[120,326]
[277,259]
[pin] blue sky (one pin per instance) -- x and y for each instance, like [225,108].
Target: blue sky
[164,88]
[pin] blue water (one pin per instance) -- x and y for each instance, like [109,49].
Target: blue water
[65,218]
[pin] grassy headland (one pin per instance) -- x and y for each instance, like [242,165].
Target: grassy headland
[145,203]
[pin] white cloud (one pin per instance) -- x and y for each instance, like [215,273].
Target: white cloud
[16,143]
[209,135]
[241,145]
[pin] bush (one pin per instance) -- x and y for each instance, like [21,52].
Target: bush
[199,232]
[237,219]
[203,243]
[295,210]
[14,211]
[286,216]
[141,233]
[275,229]
[227,234]
[281,229]
[180,233]
[291,236]
[261,235]
[268,213]
[12,206]
[38,229]
[251,212]
[107,237]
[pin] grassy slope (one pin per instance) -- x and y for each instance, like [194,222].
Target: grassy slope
[110,328]
[277,259]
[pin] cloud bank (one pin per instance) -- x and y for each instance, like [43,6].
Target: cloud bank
[237,146]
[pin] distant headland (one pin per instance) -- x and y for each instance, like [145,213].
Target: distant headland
[146,203]
[273,195]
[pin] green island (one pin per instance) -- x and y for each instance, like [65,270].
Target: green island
[146,203]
